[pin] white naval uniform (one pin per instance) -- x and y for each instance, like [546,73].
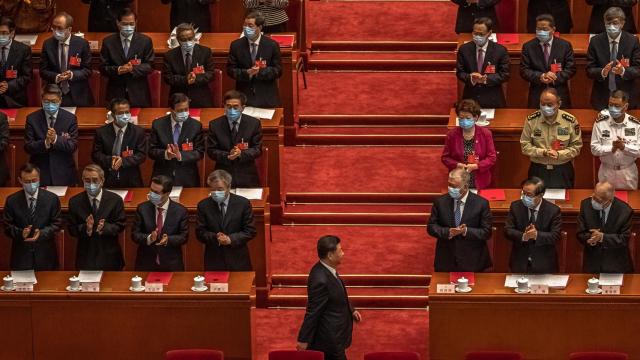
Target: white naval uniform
[619,167]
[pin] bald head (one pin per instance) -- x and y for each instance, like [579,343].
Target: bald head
[604,192]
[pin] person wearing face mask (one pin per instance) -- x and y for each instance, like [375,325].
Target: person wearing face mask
[66,61]
[615,139]
[604,229]
[102,14]
[600,7]
[127,59]
[483,66]
[547,61]
[613,61]
[96,220]
[534,227]
[468,10]
[225,225]
[558,9]
[120,148]
[51,139]
[551,139]
[254,63]
[176,145]
[461,223]
[31,221]
[234,142]
[15,67]
[161,229]
[189,68]
[196,12]
[470,147]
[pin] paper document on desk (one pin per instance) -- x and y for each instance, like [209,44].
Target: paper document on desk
[121,193]
[27,39]
[24,276]
[86,276]
[555,194]
[259,113]
[611,279]
[489,114]
[553,281]
[249,193]
[175,193]
[60,191]
[71,109]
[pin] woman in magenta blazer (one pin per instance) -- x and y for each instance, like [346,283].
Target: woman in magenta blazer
[470,146]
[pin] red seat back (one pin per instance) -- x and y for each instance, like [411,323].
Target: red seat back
[34,90]
[262,164]
[595,355]
[155,83]
[95,83]
[296,355]
[493,355]
[195,354]
[397,355]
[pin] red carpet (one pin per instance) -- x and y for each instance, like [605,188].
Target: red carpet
[343,93]
[381,20]
[368,249]
[380,330]
[363,169]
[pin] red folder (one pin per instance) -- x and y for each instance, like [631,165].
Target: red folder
[283,40]
[194,113]
[454,276]
[505,39]
[159,277]
[11,113]
[216,277]
[134,111]
[493,194]
[622,195]
[129,196]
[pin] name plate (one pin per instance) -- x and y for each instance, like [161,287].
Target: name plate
[23,286]
[445,289]
[610,290]
[153,287]
[539,289]
[91,287]
[219,287]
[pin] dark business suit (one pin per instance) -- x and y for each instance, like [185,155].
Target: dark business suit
[134,139]
[559,9]
[79,90]
[4,143]
[598,56]
[18,59]
[237,223]
[532,66]
[461,253]
[328,321]
[175,75]
[132,86]
[57,164]
[488,95]
[596,23]
[468,12]
[175,226]
[40,255]
[219,144]
[186,172]
[97,251]
[612,254]
[261,89]
[196,12]
[103,14]
[542,250]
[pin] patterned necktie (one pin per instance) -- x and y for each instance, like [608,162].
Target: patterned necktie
[187,62]
[480,59]
[52,121]
[458,213]
[94,206]
[254,53]
[234,130]
[64,85]
[176,133]
[532,216]
[32,206]
[117,147]
[223,210]
[546,53]
[614,57]
[126,47]
[159,221]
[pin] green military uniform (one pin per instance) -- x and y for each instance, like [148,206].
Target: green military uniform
[562,135]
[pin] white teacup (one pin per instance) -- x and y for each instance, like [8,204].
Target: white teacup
[8,282]
[198,282]
[523,284]
[136,282]
[74,283]
[463,284]
[594,285]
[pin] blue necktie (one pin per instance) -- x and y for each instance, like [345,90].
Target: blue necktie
[176,133]
[457,213]
[126,47]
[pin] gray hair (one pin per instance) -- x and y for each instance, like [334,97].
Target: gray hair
[95,168]
[613,13]
[608,188]
[68,19]
[461,174]
[219,175]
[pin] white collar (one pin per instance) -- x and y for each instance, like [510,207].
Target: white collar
[116,128]
[484,47]
[550,42]
[617,39]
[333,270]
[257,40]
[99,197]
[164,206]
[35,195]
[464,198]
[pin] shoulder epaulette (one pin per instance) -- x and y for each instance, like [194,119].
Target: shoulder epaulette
[568,117]
[602,117]
[633,119]
[534,115]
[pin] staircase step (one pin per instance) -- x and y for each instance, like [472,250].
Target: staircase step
[310,120]
[349,209]
[352,198]
[382,45]
[386,280]
[360,297]
[306,138]
[408,131]
[345,218]
[419,60]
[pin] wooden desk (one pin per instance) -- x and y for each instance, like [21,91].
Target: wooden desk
[193,251]
[51,323]
[548,327]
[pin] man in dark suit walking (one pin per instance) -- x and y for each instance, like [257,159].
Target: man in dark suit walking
[120,147]
[559,9]
[127,60]
[483,66]
[235,142]
[469,10]
[160,229]
[4,144]
[51,138]
[604,228]
[96,220]
[328,321]
[15,67]
[533,226]
[189,68]
[547,61]
[196,12]
[32,219]
[613,61]
[254,63]
[461,223]
[225,226]
[596,25]
[66,61]
[177,145]
[103,14]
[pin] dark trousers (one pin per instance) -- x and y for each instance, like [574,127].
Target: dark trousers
[559,177]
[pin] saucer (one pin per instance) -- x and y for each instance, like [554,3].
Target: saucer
[522,291]
[204,288]
[482,123]
[141,288]
[73,290]
[468,289]
[7,289]
[599,291]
